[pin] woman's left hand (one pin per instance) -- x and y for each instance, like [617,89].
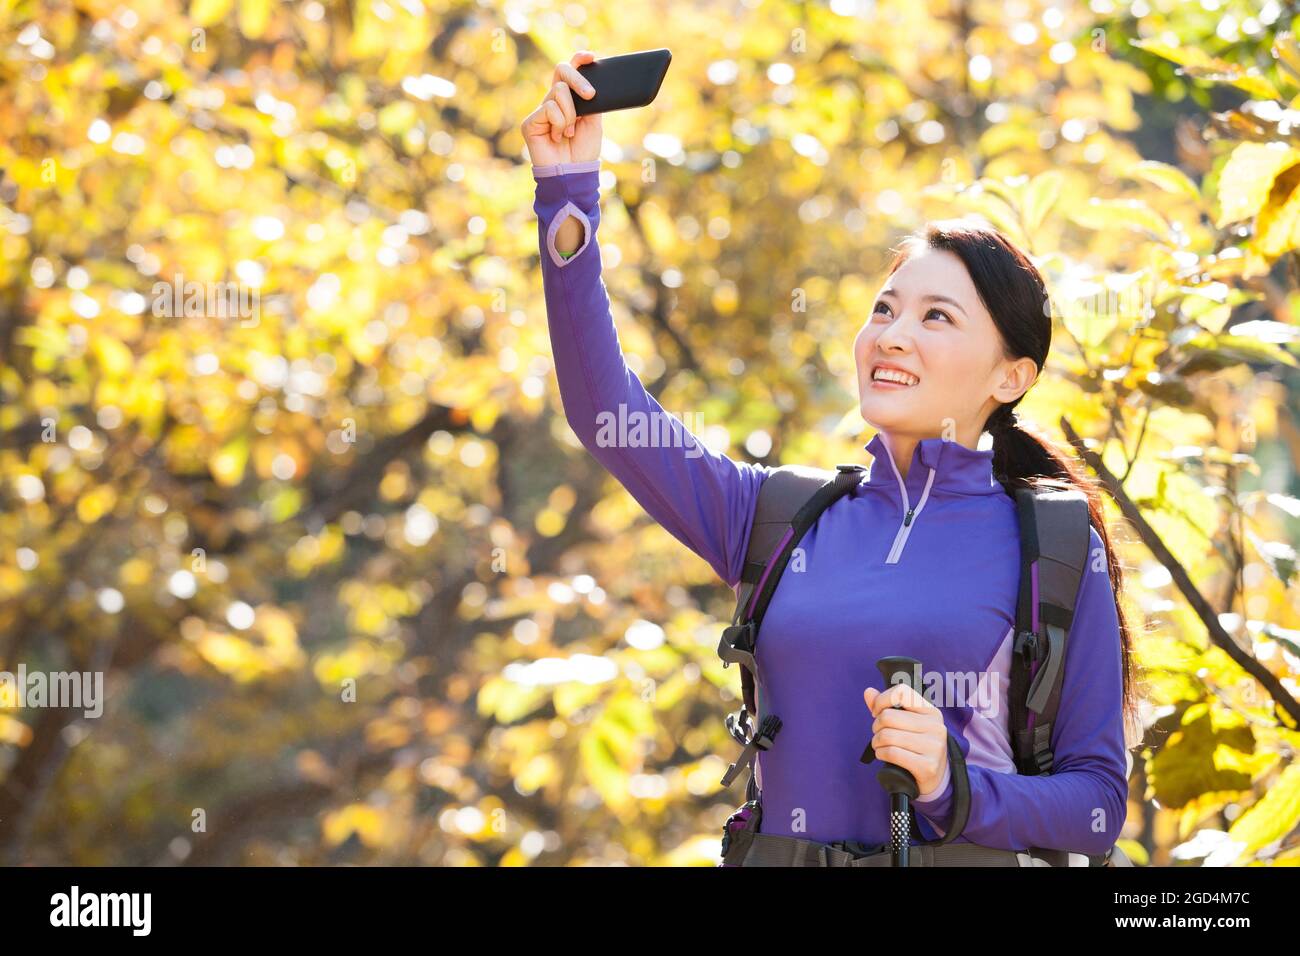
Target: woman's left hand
[913,737]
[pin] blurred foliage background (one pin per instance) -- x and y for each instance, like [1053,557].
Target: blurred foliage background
[358,593]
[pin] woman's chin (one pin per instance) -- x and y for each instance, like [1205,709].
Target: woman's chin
[879,417]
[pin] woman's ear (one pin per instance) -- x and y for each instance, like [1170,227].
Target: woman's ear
[1019,378]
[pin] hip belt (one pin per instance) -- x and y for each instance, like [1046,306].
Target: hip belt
[767,849]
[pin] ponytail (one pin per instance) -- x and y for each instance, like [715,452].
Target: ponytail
[1023,457]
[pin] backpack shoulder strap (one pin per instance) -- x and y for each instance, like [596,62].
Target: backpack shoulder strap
[790,501]
[1054,539]
[780,497]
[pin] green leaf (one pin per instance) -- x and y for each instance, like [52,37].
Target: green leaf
[1039,197]
[1195,62]
[1279,556]
[1169,178]
[1102,214]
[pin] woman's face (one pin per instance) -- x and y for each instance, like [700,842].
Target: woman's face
[928,321]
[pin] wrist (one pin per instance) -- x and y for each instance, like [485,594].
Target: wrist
[547,170]
[940,790]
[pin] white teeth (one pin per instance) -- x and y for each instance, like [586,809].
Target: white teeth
[890,375]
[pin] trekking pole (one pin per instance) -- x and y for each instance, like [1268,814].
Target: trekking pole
[898,781]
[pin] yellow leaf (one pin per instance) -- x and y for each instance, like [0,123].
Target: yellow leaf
[96,503]
[365,821]
[1278,227]
[660,232]
[228,464]
[1273,816]
[549,522]
[14,731]
[253,15]
[1247,178]
[114,357]
[207,12]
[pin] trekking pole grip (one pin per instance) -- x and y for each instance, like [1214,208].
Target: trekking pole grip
[897,781]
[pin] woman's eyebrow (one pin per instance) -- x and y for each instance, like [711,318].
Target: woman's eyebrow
[928,298]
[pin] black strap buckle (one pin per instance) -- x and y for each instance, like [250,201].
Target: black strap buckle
[761,740]
[1027,646]
[857,849]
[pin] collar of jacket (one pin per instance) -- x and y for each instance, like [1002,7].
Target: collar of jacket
[943,465]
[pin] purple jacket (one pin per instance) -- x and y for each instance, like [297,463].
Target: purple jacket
[941,588]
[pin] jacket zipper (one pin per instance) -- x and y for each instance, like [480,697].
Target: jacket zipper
[910,513]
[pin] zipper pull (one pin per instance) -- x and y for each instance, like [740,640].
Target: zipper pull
[908,519]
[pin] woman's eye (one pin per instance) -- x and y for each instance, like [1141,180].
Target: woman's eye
[882,305]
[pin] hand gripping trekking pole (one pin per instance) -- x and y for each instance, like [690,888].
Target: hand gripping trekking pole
[898,781]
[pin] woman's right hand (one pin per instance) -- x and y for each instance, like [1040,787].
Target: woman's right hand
[553,132]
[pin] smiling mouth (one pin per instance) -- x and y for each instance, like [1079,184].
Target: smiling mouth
[889,376]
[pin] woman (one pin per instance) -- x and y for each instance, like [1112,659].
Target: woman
[920,559]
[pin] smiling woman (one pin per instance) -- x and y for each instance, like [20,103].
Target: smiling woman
[926,547]
[930,362]
[947,364]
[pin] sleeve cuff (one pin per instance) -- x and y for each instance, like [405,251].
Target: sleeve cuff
[563,190]
[945,785]
[560,169]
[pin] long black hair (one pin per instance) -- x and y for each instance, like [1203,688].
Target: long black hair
[1016,296]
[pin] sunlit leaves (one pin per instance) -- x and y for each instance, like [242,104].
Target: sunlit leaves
[1185,768]
[368,823]
[230,460]
[253,17]
[207,12]
[1275,815]
[1038,198]
[1197,63]
[1133,214]
[1278,555]
[358,167]
[1169,178]
[612,746]
[1278,226]
[507,701]
[1247,180]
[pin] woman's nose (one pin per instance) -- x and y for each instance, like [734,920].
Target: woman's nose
[895,336]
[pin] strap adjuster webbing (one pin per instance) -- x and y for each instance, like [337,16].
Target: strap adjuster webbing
[762,740]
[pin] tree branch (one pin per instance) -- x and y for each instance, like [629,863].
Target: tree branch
[1209,617]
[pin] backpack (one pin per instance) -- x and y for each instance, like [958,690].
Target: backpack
[1054,541]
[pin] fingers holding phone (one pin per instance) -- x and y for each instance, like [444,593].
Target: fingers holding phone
[554,132]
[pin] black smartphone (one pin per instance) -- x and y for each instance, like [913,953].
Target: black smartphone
[622,82]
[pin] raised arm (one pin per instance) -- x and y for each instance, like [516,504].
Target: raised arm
[704,499]
[1081,805]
